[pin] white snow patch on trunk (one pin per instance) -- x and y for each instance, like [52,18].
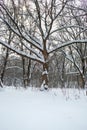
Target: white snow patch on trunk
[45,72]
[43,86]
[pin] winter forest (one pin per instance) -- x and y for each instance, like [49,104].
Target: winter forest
[43,64]
[43,43]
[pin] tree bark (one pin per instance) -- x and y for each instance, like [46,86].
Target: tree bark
[1,84]
[45,68]
[4,65]
[24,73]
[83,74]
[29,72]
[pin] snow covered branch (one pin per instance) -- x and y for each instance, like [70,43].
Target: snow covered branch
[67,44]
[30,40]
[19,52]
[69,26]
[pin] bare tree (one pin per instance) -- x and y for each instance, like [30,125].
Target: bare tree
[45,15]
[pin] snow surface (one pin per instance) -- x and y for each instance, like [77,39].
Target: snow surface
[32,109]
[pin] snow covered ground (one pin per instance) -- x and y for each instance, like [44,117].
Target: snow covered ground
[32,109]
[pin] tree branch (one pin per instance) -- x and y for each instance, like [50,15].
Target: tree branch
[19,52]
[67,44]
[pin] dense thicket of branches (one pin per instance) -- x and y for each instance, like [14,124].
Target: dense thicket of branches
[43,43]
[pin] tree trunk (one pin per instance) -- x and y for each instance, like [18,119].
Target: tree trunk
[63,73]
[24,73]
[1,84]
[45,77]
[45,69]
[28,72]
[4,65]
[82,82]
[83,74]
